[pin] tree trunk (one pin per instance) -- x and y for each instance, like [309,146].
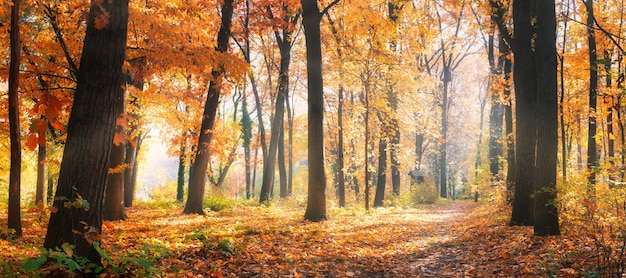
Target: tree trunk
[41,168]
[290,148]
[269,165]
[341,179]
[592,157]
[382,168]
[546,215]
[394,9]
[91,127]
[114,194]
[132,150]
[443,175]
[282,169]
[180,176]
[395,146]
[508,129]
[316,197]
[197,179]
[50,190]
[524,78]
[246,129]
[14,214]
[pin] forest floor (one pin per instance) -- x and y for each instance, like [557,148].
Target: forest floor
[457,239]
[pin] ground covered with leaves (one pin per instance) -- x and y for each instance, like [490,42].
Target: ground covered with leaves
[457,239]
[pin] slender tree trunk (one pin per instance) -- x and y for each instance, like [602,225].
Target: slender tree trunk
[282,169]
[395,147]
[510,138]
[41,168]
[546,215]
[246,129]
[382,169]
[180,177]
[197,179]
[525,89]
[290,148]
[137,80]
[592,157]
[366,182]
[443,176]
[316,197]
[50,189]
[269,165]
[90,133]
[609,116]
[341,180]
[14,214]
[394,9]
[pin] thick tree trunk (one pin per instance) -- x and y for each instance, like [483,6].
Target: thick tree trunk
[198,176]
[91,127]
[546,215]
[525,89]
[114,194]
[316,197]
[14,214]
[382,175]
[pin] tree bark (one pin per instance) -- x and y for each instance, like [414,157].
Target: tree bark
[316,197]
[379,197]
[269,165]
[592,157]
[524,77]
[14,215]
[443,175]
[114,194]
[546,215]
[341,177]
[198,176]
[91,127]
[41,168]
[180,177]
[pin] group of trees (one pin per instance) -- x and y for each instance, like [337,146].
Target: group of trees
[398,75]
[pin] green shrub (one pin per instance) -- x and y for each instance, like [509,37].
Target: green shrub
[217,203]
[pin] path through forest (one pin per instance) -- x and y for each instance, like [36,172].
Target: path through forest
[457,239]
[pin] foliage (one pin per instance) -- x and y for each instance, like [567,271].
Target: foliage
[216,202]
[425,193]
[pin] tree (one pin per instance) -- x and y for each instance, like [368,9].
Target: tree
[524,78]
[316,198]
[546,220]
[114,194]
[198,171]
[77,217]
[14,217]
[284,40]
[592,157]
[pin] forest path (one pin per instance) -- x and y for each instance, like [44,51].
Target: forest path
[456,239]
